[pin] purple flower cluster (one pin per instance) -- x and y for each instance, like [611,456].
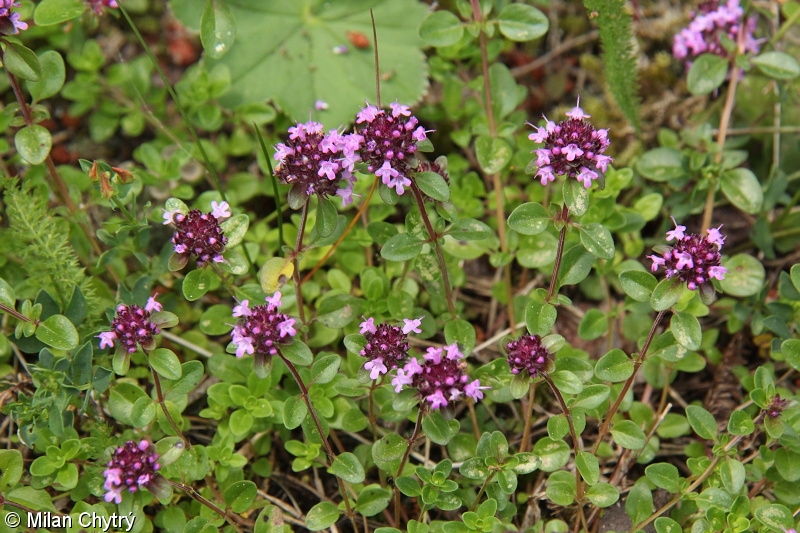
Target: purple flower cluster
[440,378]
[10,24]
[318,163]
[572,148]
[528,355]
[132,326]
[261,328]
[132,467]
[693,259]
[387,346]
[98,5]
[712,21]
[776,407]
[390,142]
[199,234]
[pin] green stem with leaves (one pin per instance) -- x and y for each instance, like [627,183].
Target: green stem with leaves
[497,185]
[163,404]
[636,364]
[434,240]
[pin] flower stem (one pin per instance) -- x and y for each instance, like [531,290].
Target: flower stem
[313,412]
[562,236]
[403,461]
[161,402]
[727,112]
[346,231]
[576,442]
[528,417]
[435,243]
[636,364]
[497,186]
[204,501]
[298,283]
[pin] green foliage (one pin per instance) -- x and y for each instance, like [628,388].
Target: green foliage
[616,33]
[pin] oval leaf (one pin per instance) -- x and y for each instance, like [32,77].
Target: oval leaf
[57,331]
[707,73]
[33,143]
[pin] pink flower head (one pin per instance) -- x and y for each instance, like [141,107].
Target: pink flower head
[10,23]
[412,325]
[527,355]
[132,467]
[261,329]
[572,148]
[199,234]
[385,343]
[132,327]
[714,22]
[220,210]
[692,258]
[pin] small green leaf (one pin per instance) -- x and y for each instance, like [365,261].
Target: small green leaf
[325,368]
[469,229]
[294,411]
[593,325]
[740,424]
[165,363]
[661,164]
[638,284]
[274,273]
[666,294]
[592,397]
[327,216]
[777,65]
[529,219]
[372,500]
[597,240]
[667,525]
[732,474]
[539,318]
[628,435]
[439,429]
[521,22]
[433,185]
[217,28]
[686,330]
[50,12]
[775,516]
[706,74]
[561,493]
[603,494]
[346,466]
[665,476]
[10,468]
[234,229]
[216,320]
[401,247]
[553,453]
[702,422]
[576,197]
[441,28]
[588,467]
[53,75]
[493,153]
[240,495]
[57,331]
[461,332]
[575,266]
[790,349]
[22,61]
[322,515]
[33,143]
[614,366]
[741,187]
[745,276]
[196,284]
[567,382]
[298,353]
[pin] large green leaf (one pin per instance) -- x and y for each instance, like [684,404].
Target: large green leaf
[285,51]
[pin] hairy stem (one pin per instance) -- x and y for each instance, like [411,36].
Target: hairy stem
[403,462]
[576,442]
[528,417]
[298,283]
[636,364]
[162,403]
[315,418]
[497,186]
[434,239]
[199,498]
[562,236]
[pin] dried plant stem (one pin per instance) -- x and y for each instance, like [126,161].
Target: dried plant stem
[724,121]
[497,186]
[636,364]
[434,239]
[403,462]
[162,403]
[562,236]
[325,444]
